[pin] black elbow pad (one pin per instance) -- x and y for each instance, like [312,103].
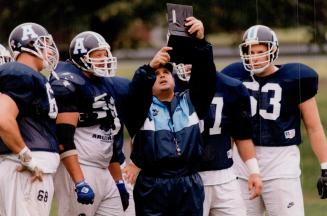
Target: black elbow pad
[65,135]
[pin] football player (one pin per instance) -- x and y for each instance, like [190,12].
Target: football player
[27,123]
[281,95]
[166,132]
[88,129]
[228,117]
[4,55]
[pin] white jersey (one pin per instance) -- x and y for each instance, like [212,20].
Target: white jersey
[94,145]
[274,162]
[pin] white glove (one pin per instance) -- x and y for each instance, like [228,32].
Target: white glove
[29,164]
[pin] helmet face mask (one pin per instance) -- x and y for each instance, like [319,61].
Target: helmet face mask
[90,52]
[4,55]
[34,39]
[183,71]
[47,51]
[257,62]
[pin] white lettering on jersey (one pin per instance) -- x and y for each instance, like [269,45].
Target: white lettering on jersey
[79,45]
[174,15]
[274,101]
[28,32]
[219,102]
[254,86]
[230,153]
[53,109]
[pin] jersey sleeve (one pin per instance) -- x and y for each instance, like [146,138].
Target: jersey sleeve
[139,98]
[308,84]
[202,83]
[241,119]
[118,154]
[65,92]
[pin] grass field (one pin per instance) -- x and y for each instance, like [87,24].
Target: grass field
[310,166]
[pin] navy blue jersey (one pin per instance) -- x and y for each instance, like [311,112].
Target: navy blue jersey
[275,98]
[229,116]
[97,99]
[118,87]
[34,98]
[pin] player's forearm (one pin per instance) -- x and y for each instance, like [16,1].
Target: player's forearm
[245,149]
[247,153]
[115,171]
[10,134]
[73,167]
[318,142]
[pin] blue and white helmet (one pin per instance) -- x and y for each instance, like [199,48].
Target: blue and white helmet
[258,34]
[83,45]
[34,39]
[4,55]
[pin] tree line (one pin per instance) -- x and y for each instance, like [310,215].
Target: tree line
[127,23]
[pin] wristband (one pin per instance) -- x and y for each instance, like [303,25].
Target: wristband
[24,155]
[253,166]
[120,181]
[323,165]
[23,151]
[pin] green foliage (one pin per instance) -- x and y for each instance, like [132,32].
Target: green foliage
[124,23]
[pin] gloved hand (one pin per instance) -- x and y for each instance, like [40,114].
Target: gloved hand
[85,194]
[322,184]
[28,163]
[124,195]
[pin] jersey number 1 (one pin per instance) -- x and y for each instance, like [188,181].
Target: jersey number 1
[219,102]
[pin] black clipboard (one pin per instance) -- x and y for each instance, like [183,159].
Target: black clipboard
[177,14]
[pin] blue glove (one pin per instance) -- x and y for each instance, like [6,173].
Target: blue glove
[322,184]
[124,195]
[85,194]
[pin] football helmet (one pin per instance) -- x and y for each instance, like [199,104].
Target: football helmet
[183,71]
[258,34]
[34,39]
[80,51]
[4,55]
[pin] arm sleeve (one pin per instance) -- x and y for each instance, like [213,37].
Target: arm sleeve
[139,98]
[308,86]
[65,93]
[115,153]
[118,154]
[241,118]
[202,83]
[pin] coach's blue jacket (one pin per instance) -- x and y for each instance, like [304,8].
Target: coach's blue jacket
[166,136]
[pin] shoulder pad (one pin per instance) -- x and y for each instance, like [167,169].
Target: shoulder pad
[20,82]
[69,72]
[227,80]
[119,85]
[298,71]
[235,70]
[71,77]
